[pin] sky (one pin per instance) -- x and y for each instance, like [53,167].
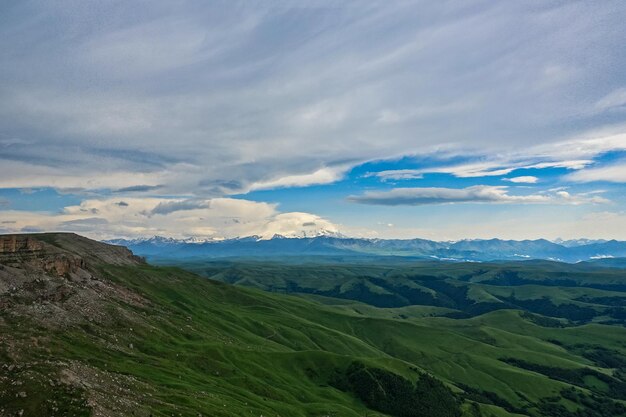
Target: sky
[441,120]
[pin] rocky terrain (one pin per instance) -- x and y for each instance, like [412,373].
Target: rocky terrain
[55,277]
[53,282]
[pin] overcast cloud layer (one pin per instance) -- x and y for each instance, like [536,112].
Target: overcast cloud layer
[176,104]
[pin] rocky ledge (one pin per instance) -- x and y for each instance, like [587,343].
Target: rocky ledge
[61,254]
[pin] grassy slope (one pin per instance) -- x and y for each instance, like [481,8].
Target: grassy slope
[464,351]
[307,341]
[203,346]
[580,294]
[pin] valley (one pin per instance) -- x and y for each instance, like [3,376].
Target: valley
[115,336]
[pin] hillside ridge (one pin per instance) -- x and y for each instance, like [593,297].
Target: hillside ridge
[118,337]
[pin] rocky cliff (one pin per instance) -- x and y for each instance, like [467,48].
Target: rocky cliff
[60,284]
[61,254]
[55,278]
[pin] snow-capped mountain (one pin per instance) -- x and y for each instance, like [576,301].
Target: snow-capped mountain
[302,234]
[578,242]
[333,244]
[159,241]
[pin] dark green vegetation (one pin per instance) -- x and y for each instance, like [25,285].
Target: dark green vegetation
[391,393]
[565,294]
[123,338]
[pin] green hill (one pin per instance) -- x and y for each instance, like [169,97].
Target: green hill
[577,294]
[87,329]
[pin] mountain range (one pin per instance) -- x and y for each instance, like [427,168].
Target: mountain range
[90,329]
[464,250]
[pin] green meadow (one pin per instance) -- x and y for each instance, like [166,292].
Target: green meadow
[333,340]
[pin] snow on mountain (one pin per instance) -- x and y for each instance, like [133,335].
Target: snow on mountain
[570,243]
[324,242]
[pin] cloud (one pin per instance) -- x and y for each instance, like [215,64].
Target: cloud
[423,196]
[574,153]
[321,176]
[508,164]
[468,170]
[214,218]
[474,194]
[568,164]
[582,198]
[495,167]
[163,107]
[83,225]
[31,229]
[178,96]
[526,179]
[297,224]
[178,205]
[611,173]
[138,188]
[614,100]
[398,174]
[486,169]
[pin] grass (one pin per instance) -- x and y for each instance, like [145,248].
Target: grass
[203,346]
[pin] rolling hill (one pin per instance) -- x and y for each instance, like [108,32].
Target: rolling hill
[87,328]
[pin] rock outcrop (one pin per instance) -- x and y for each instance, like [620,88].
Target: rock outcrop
[61,254]
[12,244]
[55,278]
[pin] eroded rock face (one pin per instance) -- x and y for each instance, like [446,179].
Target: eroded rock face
[63,265]
[55,279]
[62,254]
[29,249]
[12,244]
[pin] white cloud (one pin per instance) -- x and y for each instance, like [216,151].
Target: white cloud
[611,173]
[17,174]
[572,154]
[398,174]
[207,100]
[586,145]
[493,168]
[474,194]
[526,179]
[321,176]
[470,170]
[196,100]
[144,217]
[509,163]
[486,169]
[615,99]
[568,164]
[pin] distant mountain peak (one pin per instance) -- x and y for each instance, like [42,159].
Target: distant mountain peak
[164,240]
[570,243]
[161,240]
[324,242]
[306,234]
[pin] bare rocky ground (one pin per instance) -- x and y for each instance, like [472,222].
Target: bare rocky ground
[55,286]
[51,283]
